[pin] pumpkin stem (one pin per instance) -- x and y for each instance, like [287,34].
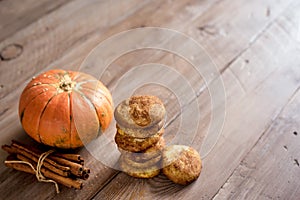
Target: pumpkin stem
[66,84]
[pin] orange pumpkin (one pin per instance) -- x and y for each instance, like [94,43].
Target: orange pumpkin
[65,109]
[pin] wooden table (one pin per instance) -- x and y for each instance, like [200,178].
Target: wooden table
[255,47]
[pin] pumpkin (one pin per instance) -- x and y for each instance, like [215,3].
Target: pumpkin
[65,109]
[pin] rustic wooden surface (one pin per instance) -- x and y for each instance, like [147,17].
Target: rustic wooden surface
[255,46]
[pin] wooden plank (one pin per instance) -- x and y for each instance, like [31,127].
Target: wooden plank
[74,57]
[235,136]
[37,54]
[9,102]
[54,34]
[94,183]
[71,59]
[16,132]
[213,44]
[14,95]
[220,34]
[266,58]
[15,15]
[271,169]
[126,187]
[127,62]
[21,185]
[236,140]
[71,56]
[247,119]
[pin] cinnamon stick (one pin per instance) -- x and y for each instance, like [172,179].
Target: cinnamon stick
[46,165]
[34,153]
[75,168]
[86,170]
[85,176]
[71,183]
[53,167]
[63,165]
[81,161]
[71,157]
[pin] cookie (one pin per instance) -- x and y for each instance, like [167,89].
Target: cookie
[181,164]
[147,154]
[131,144]
[148,172]
[155,161]
[140,116]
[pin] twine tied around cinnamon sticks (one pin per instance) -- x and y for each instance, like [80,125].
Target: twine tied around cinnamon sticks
[37,171]
[62,168]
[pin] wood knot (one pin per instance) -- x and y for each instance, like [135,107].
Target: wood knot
[295,133]
[11,52]
[208,29]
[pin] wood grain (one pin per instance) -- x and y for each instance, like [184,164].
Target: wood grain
[51,38]
[14,17]
[254,45]
[271,169]
[239,133]
[9,102]
[89,188]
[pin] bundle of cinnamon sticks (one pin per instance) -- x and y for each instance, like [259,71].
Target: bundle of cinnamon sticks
[64,168]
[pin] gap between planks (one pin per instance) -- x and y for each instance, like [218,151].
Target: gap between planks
[277,115]
[268,128]
[249,170]
[254,42]
[29,16]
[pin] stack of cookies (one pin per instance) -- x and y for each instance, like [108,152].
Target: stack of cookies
[140,128]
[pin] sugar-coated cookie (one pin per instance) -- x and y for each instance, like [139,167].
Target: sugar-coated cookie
[146,154]
[144,164]
[131,144]
[148,172]
[181,164]
[140,116]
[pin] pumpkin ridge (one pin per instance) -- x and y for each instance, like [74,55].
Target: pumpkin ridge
[22,115]
[101,92]
[90,102]
[22,112]
[91,106]
[83,82]
[103,113]
[42,116]
[70,107]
